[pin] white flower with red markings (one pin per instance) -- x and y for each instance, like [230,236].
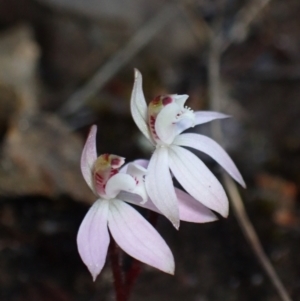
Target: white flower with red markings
[134,234]
[162,122]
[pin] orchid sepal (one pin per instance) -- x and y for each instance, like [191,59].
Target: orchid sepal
[138,105]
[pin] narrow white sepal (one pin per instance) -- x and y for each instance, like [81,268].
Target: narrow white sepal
[89,156]
[93,238]
[197,179]
[207,116]
[159,186]
[138,105]
[213,149]
[137,237]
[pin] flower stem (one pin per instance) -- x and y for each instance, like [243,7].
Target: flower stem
[117,271]
[131,276]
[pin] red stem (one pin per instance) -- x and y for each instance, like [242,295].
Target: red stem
[117,271]
[132,275]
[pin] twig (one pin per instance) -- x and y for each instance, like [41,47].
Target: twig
[214,82]
[236,200]
[142,37]
[249,232]
[238,31]
[199,28]
[243,19]
[131,276]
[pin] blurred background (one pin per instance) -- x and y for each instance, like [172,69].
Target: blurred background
[68,64]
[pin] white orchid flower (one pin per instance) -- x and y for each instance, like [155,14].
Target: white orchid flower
[163,122]
[134,234]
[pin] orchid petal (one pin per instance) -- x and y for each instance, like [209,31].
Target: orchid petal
[93,238]
[207,116]
[190,210]
[138,105]
[138,238]
[200,117]
[119,182]
[213,149]
[160,187]
[197,179]
[89,156]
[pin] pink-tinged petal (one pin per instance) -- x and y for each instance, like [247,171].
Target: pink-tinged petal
[119,182]
[138,105]
[207,116]
[190,210]
[93,238]
[197,179]
[160,187]
[213,149]
[89,156]
[138,238]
